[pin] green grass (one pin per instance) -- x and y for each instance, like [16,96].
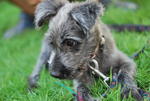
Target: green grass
[18,56]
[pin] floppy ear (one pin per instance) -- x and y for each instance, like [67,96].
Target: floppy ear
[86,14]
[46,10]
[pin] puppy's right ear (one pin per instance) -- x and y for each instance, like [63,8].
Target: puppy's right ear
[46,10]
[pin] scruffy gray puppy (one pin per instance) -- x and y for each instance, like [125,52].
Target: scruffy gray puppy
[76,36]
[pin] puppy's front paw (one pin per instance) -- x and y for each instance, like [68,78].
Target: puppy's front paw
[32,82]
[134,92]
[84,95]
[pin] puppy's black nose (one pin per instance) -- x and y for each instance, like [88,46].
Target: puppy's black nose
[56,74]
[61,75]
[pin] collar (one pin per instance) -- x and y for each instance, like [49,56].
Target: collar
[100,45]
[95,68]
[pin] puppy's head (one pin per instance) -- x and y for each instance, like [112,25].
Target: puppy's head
[71,34]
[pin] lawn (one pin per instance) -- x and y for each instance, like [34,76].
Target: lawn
[18,56]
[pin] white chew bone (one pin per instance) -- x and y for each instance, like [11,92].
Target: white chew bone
[96,70]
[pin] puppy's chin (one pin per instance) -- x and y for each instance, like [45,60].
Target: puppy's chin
[76,75]
[72,76]
[65,78]
[69,77]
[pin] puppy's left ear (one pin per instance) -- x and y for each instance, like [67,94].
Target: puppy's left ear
[86,14]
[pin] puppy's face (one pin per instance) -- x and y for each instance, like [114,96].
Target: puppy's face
[69,36]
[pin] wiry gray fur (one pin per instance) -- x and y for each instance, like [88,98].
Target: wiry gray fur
[73,34]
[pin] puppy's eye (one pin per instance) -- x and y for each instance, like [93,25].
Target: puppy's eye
[51,43]
[70,42]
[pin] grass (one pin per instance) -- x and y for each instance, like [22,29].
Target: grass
[18,56]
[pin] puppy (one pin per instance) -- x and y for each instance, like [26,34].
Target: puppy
[74,38]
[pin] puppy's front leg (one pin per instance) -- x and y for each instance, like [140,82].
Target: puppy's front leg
[43,58]
[83,93]
[126,79]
